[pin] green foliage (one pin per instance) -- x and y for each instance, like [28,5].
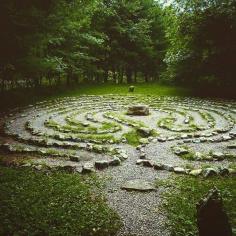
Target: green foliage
[201,35]
[57,204]
[182,195]
[49,42]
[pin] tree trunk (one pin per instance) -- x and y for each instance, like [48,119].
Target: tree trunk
[135,76]
[105,76]
[121,76]
[129,76]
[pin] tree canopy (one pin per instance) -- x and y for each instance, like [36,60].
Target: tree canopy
[51,41]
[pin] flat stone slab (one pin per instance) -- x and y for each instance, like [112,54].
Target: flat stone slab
[138,185]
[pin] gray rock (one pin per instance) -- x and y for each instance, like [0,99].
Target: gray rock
[26,165]
[158,166]
[138,185]
[101,164]
[142,155]
[139,161]
[88,167]
[180,151]
[198,155]
[115,161]
[123,155]
[144,132]
[138,147]
[179,170]
[226,137]
[148,163]
[38,167]
[138,110]
[223,171]
[79,169]
[218,155]
[161,139]
[183,136]
[195,172]
[232,146]
[74,158]
[208,172]
[168,167]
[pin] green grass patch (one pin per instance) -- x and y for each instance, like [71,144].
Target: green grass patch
[188,156]
[184,192]
[19,97]
[33,203]
[132,138]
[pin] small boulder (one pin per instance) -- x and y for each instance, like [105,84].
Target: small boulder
[162,139]
[142,155]
[88,167]
[144,132]
[218,155]
[74,159]
[168,167]
[209,172]
[232,146]
[224,171]
[101,164]
[38,167]
[115,161]
[195,172]
[148,163]
[179,170]
[180,150]
[158,166]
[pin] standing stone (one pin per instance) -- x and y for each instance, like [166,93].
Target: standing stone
[212,220]
[131,89]
[138,110]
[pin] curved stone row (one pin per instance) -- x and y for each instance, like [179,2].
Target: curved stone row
[99,124]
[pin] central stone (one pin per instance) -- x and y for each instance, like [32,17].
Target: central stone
[138,110]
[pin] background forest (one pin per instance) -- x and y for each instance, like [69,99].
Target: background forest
[51,42]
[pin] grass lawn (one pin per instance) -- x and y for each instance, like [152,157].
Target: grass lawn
[184,192]
[36,203]
[21,97]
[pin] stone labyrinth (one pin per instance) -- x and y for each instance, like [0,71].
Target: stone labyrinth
[181,135]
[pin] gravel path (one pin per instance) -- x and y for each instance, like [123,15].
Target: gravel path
[139,211]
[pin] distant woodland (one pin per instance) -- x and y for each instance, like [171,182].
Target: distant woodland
[53,42]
